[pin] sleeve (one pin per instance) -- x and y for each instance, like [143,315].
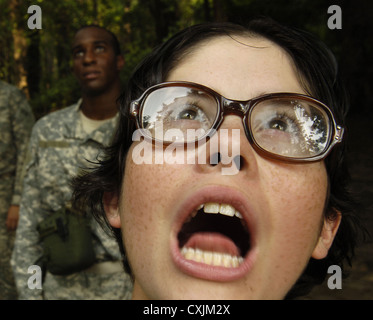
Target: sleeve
[22,122]
[27,249]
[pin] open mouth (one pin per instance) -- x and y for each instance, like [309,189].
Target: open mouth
[215,234]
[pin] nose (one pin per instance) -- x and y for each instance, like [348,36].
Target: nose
[217,158]
[228,150]
[89,57]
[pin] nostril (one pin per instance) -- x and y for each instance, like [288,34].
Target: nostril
[215,159]
[239,162]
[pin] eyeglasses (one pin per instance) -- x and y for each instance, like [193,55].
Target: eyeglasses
[284,126]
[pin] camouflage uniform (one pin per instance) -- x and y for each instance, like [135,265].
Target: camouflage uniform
[16,121]
[58,149]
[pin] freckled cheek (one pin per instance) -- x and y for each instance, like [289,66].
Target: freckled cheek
[145,205]
[136,210]
[296,196]
[298,208]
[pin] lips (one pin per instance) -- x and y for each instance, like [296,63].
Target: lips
[214,235]
[90,75]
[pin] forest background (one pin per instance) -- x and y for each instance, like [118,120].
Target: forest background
[39,62]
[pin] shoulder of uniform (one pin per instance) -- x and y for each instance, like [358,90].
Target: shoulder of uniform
[9,89]
[59,117]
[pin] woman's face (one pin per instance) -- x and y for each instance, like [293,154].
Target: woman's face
[280,224]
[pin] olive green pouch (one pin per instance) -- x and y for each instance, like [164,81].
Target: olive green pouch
[67,242]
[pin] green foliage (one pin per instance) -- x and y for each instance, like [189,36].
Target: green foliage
[39,60]
[62,93]
[7,63]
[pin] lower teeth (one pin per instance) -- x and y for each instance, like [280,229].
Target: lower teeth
[211,258]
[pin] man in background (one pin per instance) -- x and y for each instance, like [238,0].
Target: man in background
[16,121]
[61,144]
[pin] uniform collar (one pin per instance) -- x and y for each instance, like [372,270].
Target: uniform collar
[102,135]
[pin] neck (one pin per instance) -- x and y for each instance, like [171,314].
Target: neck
[103,105]
[138,293]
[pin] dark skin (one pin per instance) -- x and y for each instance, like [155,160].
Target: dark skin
[96,66]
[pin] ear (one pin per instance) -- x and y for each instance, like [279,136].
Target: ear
[120,62]
[328,232]
[111,207]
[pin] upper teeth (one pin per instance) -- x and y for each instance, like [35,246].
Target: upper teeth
[222,208]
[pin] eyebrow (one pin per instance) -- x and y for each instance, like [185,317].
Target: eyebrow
[97,42]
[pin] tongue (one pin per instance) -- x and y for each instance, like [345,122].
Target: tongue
[214,242]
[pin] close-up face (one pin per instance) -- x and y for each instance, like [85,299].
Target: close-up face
[191,232]
[95,63]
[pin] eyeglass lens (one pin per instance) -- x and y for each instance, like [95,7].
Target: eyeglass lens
[293,128]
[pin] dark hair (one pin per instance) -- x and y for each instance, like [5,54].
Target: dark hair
[114,39]
[317,72]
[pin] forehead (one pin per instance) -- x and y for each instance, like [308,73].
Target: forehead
[239,65]
[91,35]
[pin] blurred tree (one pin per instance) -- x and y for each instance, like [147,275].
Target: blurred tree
[39,60]
[12,43]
